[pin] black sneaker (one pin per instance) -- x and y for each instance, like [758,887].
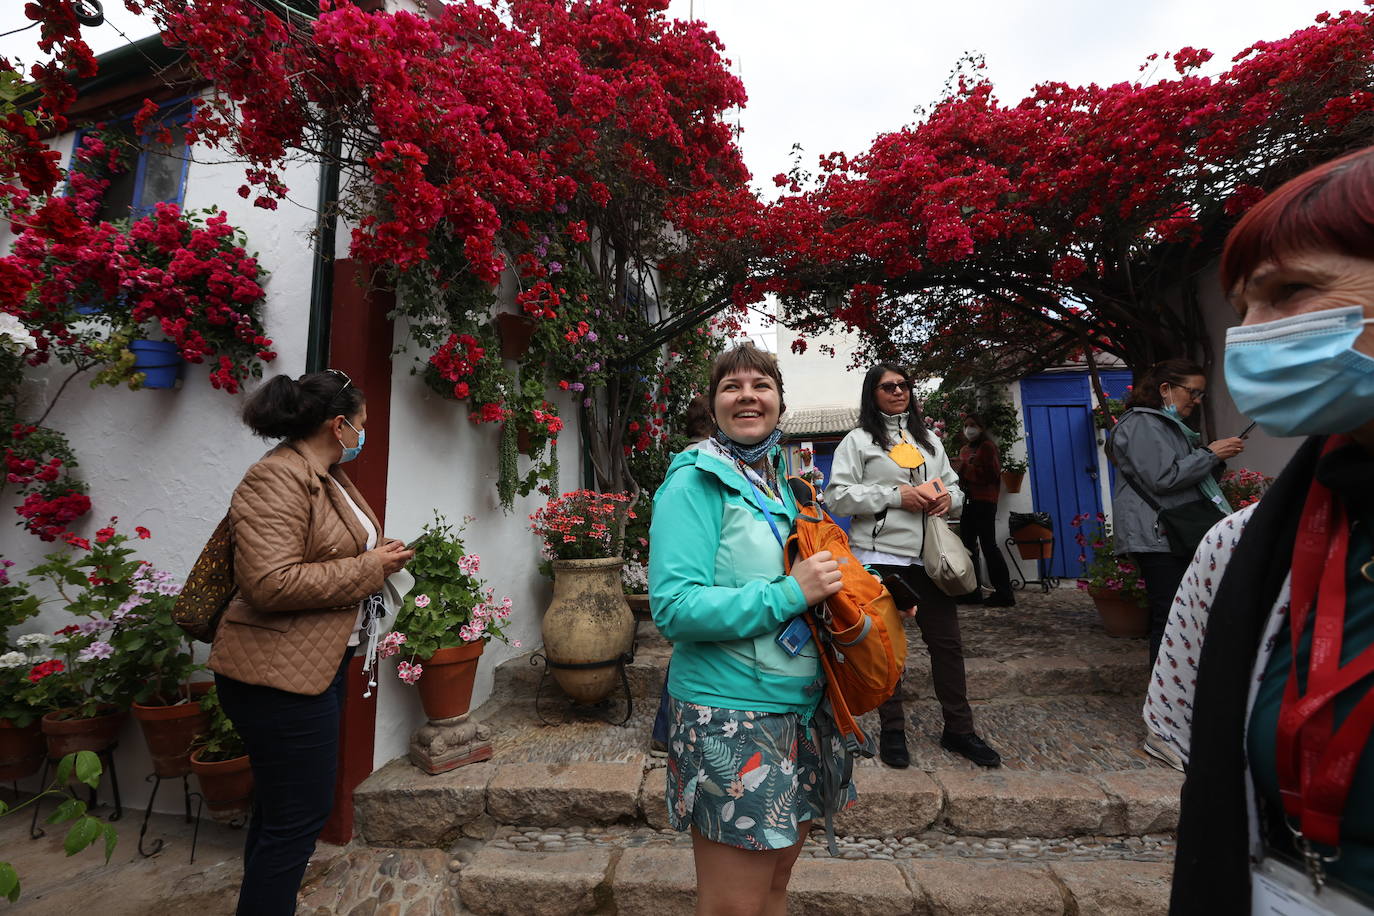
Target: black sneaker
[972,747]
[892,750]
[973,597]
[1000,600]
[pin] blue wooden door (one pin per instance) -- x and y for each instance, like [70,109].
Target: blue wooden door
[1061,442]
[824,459]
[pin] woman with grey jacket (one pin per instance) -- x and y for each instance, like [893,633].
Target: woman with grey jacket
[876,470]
[1155,450]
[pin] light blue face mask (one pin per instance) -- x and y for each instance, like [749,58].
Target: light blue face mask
[1301,376]
[350,453]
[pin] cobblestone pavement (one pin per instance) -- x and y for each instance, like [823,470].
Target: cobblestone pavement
[1040,624]
[932,844]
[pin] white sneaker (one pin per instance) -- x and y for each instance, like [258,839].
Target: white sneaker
[1160,749]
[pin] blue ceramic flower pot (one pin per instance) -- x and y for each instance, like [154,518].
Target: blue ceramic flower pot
[159,362]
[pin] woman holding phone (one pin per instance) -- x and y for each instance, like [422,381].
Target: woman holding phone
[875,478]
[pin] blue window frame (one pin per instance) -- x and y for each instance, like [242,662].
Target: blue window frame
[158,175]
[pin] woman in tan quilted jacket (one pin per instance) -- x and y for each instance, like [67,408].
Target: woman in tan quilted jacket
[307,552]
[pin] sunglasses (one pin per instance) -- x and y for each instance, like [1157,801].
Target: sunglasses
[346,380]
[894,387]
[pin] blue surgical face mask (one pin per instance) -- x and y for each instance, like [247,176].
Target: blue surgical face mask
[350,453]
[1172,411]
[1301,376]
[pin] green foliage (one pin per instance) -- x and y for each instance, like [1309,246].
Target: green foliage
[85,829]
[449,605]
[1107,569]
[950,405]
[221,740]
[126,648]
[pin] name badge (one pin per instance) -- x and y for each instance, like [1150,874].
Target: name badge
[794,636]
[1277,889]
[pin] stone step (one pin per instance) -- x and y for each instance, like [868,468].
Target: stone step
[401,806]
[628,871]
[661,882]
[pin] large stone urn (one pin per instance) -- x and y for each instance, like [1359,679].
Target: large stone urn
[587,628]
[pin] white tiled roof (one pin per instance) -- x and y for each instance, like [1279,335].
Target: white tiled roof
[818,421]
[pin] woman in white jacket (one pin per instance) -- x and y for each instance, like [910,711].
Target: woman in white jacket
[874,478]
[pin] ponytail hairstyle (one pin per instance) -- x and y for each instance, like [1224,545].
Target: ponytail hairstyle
[287,408]
[871,418]
[1174,371]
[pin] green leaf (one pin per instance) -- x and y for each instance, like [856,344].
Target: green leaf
[83,833]
[88,768]
[69,809]
[9,882]
[111,838]
[64,769]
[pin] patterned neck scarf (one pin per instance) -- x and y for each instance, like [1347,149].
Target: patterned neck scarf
[749,454]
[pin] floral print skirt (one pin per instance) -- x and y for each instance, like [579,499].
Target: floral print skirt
[746,778]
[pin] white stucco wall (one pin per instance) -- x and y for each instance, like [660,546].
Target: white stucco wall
[813,379]
[169,459]
[439,460]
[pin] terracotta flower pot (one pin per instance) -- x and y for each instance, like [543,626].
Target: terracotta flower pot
[67,736]
[1034,542]
[21,750]
[446,684]
[1121,616]
[170,730]
[226,784]
[588,622]
[1012,480]
[516,332]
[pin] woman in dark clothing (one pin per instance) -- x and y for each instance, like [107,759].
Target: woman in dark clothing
[1278,804]
[980,477]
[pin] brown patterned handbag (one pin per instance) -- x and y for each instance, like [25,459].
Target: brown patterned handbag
[209,586]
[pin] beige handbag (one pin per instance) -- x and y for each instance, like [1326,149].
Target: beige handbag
[947,562]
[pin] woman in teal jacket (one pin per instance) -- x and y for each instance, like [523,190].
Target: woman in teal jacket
[744,763]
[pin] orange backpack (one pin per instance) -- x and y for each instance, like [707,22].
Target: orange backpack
[860,635]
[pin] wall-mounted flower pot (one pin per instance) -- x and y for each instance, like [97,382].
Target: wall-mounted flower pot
[1012,480]
[21,750]
[1122,616]
[170,730]
[159,361]
[516,333]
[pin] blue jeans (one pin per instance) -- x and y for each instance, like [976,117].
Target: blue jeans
[293,746]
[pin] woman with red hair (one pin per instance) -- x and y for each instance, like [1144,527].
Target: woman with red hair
[1273,711]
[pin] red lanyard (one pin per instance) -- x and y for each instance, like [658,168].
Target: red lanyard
[1316,764]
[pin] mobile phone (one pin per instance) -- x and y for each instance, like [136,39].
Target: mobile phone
[902,593]
[1245,434]
[932,489]
[795,635]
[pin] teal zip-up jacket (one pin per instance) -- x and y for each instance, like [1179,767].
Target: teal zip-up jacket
[718,592]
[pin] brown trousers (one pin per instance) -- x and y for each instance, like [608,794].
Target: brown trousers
[938,618]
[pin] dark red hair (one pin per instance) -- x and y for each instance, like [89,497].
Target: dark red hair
[1330,207]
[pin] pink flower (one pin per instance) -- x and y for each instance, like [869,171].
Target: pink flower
[422,601]
[408,672]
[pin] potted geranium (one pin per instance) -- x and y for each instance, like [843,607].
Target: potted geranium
[1013,474]
[125,650]
[1112,580]
[21,740]
[220,762]
[1243,487]
[445,621]
[588,628]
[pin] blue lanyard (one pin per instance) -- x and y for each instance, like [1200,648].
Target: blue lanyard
[768,516]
